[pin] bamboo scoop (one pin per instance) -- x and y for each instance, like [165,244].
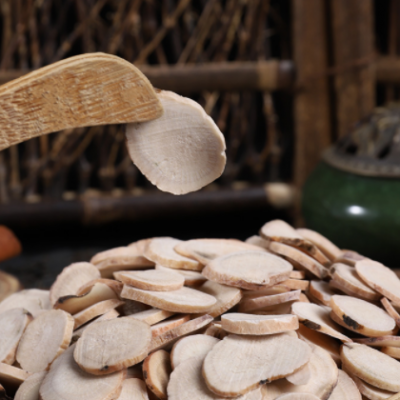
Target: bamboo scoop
[180,153]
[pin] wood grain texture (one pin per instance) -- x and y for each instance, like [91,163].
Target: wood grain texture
[354,84]
[87,90]
[311,104]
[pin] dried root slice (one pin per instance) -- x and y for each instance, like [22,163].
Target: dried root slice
[280,231]
[161,251]
[260,303]
[325,245]
[45,338]
[12,325]
[371,366]
[321,291]
[257,241]
[180,152]
[348,278]
[301,376]
[262,270]
[167,339]
[349,257]
[109,315]
[345,389]
[277,289]
[324,376]
[109,346]
[71,279]
[297,275]
[388,306]
[111,283]
[317,318]
[33,300]
[298,396]
[187,382]
[156,371]
[206,250]
[279,309]
[192,278]
[391,351]
[314,338]
[11,376]
[360,316]
[67,381]
[95,310]
[192,346]
[161,327]
[184,300]
[296,284]
[226,296]
[74,304]
[152,316]
[380,278]
[120,258]
[251,361]
[248,324]
[371,392]
[392,341]
[133,389]
[9,284]
[157,280]
[29,389]
[215,330]
[299,258]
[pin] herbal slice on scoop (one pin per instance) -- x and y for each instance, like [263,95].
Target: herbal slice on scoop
[238,364]
[262,270]
[371,366]
[361,317]
[112,345]
[180,152]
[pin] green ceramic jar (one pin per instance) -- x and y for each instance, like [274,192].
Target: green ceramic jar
[356,212]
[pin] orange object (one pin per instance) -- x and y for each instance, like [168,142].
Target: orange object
[10,246]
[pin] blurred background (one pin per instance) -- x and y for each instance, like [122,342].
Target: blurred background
[292,84]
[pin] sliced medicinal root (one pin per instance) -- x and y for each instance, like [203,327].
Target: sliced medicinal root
[252,360]
[71,279]
[371,366]
[226,296]
[187,382]
[108,315]
[180,152]
[296,284]
[112,345]
[349,257]
[152,279]
[321,291]
[133,389]
[67,381]
[12,325]
[388,306]
[95,310]
[74,304]
[120,258]
[301,376]
[184,300]
[298,258]
[280,231]
[345,389]
[317,318]
[12,376]
[29,389]
[33,300]
[167,339]
[161,251]
[206,250]
[371,392]
[391,351]
[380,278]
[392,341]
[192,278]
[164,326]
[45,338]
[348,278]
[362,317]
[324,376]
[156,371]
[262,270]
[248,324]
[298,396]
[257,241]
[192,346]
[325,245]
[259,303]
[152,316]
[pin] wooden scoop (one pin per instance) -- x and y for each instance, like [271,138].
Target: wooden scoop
[86,90]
